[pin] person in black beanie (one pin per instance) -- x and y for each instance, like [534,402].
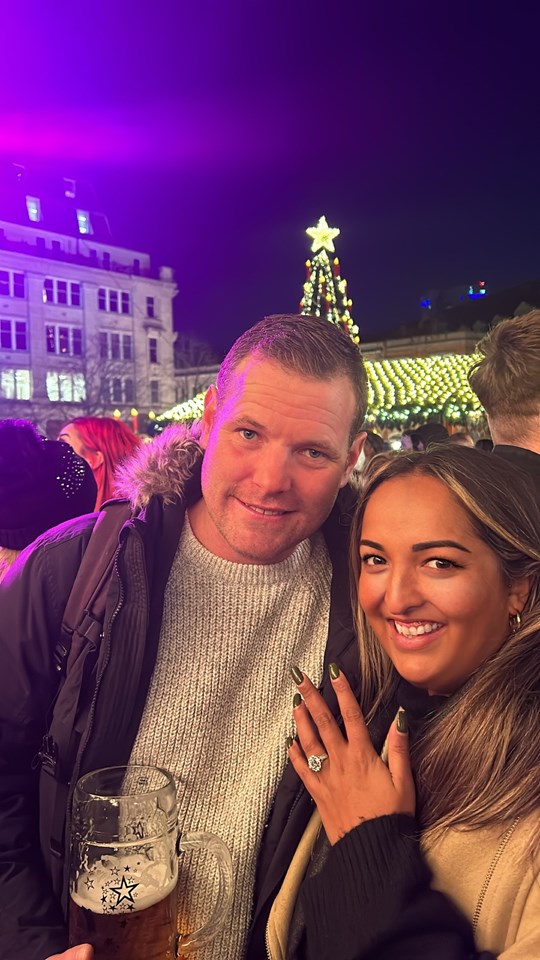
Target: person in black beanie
[42,484]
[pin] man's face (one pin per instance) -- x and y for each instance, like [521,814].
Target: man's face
[277,453]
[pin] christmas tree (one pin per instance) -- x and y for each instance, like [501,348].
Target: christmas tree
[325,291]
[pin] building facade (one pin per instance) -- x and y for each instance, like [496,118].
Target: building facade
[86,327]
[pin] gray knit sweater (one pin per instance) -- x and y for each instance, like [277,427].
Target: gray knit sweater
[220,705]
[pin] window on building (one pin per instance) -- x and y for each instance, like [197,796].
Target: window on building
[69,188]
[152,350]
[84,222]
[150,307]
[64,340]
[116,391]
[115,346]
[16,384]
[33,207]
[127,346]
[65,386]
[129,392]
[12,284]
[114,301]
[13,334]
[63,292]
[154,392]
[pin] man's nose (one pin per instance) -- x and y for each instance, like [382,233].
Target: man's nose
[272,471]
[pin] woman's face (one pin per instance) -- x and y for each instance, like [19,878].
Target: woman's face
[431,589]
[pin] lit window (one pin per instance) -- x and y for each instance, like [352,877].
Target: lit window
[64,340]
[69,188]
[83,220]
[33,206]
[65,386]
[15,384]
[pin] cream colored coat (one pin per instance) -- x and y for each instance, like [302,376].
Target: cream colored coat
[486,872]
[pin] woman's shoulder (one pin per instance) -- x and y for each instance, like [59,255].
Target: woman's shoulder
[491,874]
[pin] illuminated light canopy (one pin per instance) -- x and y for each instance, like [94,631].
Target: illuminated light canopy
[323,236]
[409,389]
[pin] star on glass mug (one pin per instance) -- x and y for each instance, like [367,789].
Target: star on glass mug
[125,851]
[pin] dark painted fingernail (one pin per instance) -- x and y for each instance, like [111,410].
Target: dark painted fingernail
[402,724]
[296,700]
[333,670]
[289,742]
[297,674]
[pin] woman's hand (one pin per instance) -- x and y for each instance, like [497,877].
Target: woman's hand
[353,784]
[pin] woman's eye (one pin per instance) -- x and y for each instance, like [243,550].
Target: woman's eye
[439,563]
[372,560]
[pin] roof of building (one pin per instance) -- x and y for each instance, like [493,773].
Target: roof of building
[61,201]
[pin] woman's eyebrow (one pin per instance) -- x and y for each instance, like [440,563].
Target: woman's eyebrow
[430,544]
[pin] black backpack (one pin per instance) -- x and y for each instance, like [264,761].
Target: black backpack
[76,657]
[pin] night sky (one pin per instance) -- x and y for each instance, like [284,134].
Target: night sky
[215,133]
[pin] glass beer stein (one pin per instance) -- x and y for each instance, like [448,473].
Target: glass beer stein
[126,847]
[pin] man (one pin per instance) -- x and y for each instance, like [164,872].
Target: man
[507,382]
[234,568]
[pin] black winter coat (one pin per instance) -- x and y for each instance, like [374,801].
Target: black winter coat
[33,878]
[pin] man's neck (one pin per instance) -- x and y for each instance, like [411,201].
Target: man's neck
[527,439]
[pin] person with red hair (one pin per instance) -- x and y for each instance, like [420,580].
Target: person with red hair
[104,443]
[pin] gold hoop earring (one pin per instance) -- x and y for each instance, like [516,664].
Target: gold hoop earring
[515,622]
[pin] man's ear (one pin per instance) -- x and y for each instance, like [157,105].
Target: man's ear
[517,595]
[354,452]
[209,413]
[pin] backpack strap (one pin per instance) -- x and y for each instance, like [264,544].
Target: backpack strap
[85,607]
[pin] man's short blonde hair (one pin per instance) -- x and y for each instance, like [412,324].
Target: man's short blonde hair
[506,378]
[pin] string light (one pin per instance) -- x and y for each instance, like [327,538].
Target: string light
[399,391]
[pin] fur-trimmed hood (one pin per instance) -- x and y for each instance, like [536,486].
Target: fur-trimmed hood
[162,466]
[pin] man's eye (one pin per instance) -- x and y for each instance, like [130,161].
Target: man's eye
[314,454]
[248,434]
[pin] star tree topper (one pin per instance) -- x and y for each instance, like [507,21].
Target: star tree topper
[323,236]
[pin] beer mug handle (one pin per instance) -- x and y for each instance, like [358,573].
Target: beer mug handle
[188,942]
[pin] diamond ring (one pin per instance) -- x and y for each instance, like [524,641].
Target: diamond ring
[315,762]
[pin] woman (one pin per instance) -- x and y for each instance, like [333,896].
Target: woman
[42,484]
[104,443]
[446,559]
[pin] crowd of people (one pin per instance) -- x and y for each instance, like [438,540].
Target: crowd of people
[343,676]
